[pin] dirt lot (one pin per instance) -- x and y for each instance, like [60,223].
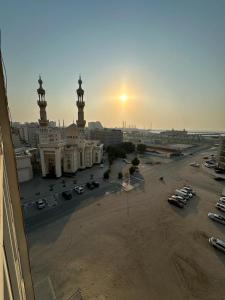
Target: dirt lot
[135,245]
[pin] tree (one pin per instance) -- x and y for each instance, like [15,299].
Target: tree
[141,148]
[132,170]
[128,147]
[120,175]
[135,162]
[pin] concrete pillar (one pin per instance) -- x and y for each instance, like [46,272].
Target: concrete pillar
[43,167]
[84,162]
[58,170]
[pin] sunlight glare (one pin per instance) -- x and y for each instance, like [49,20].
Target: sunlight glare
[123,98]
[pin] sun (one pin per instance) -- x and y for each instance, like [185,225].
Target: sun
[123,98]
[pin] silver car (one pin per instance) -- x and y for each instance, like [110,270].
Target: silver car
[179,198]
[217,218]
[79,189]
[220,206]
[217,243]
[189,190]
[41,203]
[222,200]
[190,195]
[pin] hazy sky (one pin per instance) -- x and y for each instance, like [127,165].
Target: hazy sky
[168,57]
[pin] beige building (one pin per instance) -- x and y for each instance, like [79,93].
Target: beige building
[23,164]
[15,275]
[65,151]
[107,136]
[221,154]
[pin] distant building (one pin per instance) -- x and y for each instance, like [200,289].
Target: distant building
[23,164]
[107,136]
[94,125]
[17,140]
[221,154]
[25,134]
[174,133]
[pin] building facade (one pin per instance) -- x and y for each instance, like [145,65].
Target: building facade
[23,164]
[26,133]
[107,136]
[15,274]
[65,151]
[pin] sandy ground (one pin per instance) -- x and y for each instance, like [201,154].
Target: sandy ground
[135,245]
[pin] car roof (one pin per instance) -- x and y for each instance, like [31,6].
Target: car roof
[220,242]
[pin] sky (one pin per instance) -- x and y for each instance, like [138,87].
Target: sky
[167,57]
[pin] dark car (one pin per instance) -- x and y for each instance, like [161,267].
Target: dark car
[67,195]
[95,183]
[90,185]
[175,202]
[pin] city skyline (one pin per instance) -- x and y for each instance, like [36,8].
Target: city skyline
[141,62]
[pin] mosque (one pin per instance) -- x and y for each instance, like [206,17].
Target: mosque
[67,150]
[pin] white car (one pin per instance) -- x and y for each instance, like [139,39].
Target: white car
[79,189]
[217,218]
[187,192]
[220,206]
[219,244]
[221,200]
[182,194]
[189,189]
[41,203]
[179,198]
[194,164]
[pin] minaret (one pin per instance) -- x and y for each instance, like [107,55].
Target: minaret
[80,105]
[43,122]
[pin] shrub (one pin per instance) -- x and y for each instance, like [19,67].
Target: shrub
[141,148]
[135,161]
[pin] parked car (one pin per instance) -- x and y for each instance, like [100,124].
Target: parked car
[41,203]
[217,218]
[67,195]
[179,198]
[222,200]
[182,194]
[90,185]
[189,189]
[79,189]
[195,164]
[175,202]
[190,195]
[217,243]
[220,206]
[95,183]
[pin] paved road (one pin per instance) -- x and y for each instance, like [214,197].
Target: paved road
[37,218]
